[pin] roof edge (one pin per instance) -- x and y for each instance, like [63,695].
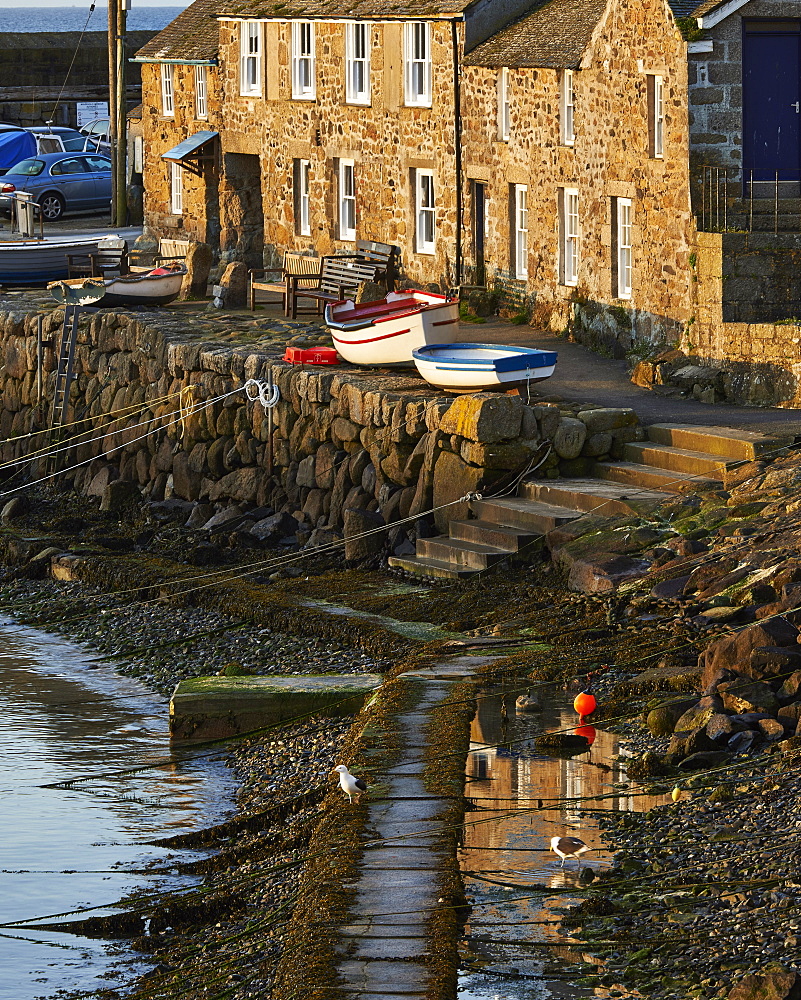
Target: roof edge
[720,13]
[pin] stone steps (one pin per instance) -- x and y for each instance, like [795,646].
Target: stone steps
[676,458]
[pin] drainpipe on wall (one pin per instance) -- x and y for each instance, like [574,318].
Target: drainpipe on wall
[457,138]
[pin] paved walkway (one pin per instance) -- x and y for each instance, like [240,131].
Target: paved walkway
[582,376]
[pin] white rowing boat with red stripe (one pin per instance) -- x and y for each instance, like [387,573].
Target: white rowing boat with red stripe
[387,331]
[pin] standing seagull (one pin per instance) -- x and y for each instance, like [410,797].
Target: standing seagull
[349,784]
[568,847]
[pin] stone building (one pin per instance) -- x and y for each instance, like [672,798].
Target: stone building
[540,148]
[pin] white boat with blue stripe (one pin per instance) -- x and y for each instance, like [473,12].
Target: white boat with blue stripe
[482,367]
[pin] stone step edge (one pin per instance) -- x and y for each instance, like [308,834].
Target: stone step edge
[417,566]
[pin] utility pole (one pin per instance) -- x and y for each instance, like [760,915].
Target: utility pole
[112,100]
[121,111]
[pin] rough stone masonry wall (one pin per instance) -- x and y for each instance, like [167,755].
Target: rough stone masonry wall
[389,446]
[610,158]
[760,362]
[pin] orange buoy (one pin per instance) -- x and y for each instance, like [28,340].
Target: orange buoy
[585,704]
[588,732]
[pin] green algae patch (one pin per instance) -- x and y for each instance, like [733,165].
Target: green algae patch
[211,708]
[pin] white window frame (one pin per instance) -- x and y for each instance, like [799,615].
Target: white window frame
[425,212]
[657,111]
[138,154]
[417,64]
[167,90]
[358,36]
[625,260]
[304,69]
[346,191]
[504,106]
[567,108]
[251,46]
[201,93]
[176,189]
[303,196]
[569,256]
[520,207]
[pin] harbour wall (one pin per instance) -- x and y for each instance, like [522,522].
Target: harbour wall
[349,449]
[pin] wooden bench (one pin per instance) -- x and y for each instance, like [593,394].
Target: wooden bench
[295,265]
[383,255]
[340,277]
[111,257]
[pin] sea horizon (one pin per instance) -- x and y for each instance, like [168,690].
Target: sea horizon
[49,17]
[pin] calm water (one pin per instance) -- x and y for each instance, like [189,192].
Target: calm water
[64,716]
[35,18]
[512,941]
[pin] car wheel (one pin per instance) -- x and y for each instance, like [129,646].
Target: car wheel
[52,205]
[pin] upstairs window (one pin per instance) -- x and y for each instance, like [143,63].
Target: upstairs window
[250,55]
[357,63]
[417,64]
[302,191]
[656,116]
[201,104]
[520,247]
[566,109]
[425,211]
[167,91]
[568,236]
[347,200]
[303,82]
[504,108]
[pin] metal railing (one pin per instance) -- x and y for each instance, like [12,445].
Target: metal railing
[731,200]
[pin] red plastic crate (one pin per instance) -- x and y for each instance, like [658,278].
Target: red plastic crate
[311,356]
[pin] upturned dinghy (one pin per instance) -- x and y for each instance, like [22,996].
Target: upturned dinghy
[386,332]
[482,367]
[148,288]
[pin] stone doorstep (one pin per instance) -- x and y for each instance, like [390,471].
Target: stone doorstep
[428,568]
[675,459]
[633,474]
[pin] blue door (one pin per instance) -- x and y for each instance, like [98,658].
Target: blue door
[771,107]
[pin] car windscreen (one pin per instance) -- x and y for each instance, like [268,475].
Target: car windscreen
[30,168]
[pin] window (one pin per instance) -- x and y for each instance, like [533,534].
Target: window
[504,110]
[357,63]
[566,108]
[417,68]
[139,154]
[520,247]
[425,217]
[201,106]
[569,236]
[76,165]
[250,59]
[167,91]
[656,116]
[302,185]
[347,200]
[622,262]
[303,84]
[176,189]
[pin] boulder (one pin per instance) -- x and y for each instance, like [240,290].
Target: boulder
[226,519]
[748,696]
[705,760]
[771,729]
[15,507]
[604,573]
[234,285]
[696,716]
[569,437]
[776,984]
[789,715]
[242,484]
[791,687]
[661,721]
[276,526]
[119,495]
[484,416]
[773,660]
[742,742]
[199,259]
[721,728]
[685,744]
[607,418]
[453,479]
[201,513]
[734,651]
[356,523]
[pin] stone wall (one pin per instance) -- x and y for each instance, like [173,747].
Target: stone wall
[42,58]
[387,447]
[758,361]
[610,158]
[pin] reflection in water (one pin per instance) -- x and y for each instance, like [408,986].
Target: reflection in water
[66,716]
[513,949]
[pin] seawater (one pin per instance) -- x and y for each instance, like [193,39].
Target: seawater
[67,715]
[27,18]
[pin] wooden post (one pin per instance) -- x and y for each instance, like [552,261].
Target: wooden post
[112,99]
[121,112]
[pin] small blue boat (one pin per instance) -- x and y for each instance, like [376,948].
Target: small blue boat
[482,367]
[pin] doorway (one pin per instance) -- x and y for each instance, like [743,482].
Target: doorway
[479,230]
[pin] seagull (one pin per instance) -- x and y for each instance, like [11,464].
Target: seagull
[568,847]
[349,784]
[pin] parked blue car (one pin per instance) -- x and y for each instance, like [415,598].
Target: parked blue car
[60,182]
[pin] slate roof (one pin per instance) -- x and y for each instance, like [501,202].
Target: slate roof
[359,10]
[194,34]
[686,8]
[554,34]
[699,9]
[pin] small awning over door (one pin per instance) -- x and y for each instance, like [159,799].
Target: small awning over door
[190,152]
